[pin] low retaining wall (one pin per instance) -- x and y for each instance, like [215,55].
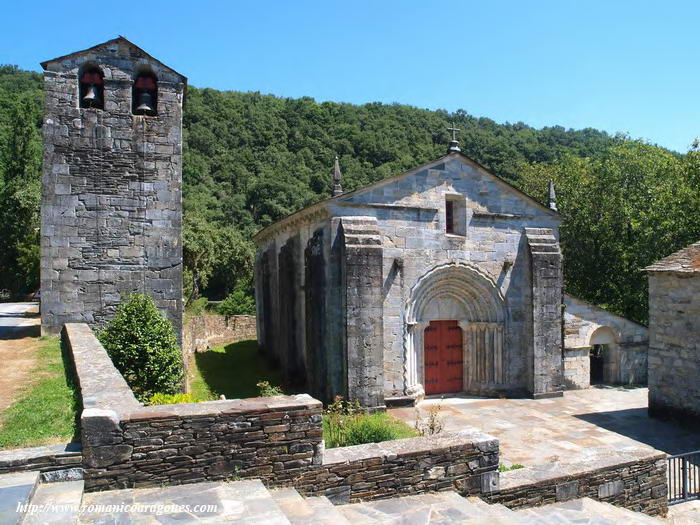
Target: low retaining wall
[277,439]
[202,332]
[634,479]
[465,461]
[44,459]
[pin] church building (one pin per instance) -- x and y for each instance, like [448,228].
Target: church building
[440,280]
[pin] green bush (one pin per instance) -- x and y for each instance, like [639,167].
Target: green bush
[142,345]
[237,303]
[267,390]
[170,399]
[198,306]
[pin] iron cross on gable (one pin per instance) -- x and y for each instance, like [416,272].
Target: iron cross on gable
[454,132]
[454,143]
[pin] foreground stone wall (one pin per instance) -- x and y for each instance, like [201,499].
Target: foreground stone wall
[627,344]
[202,332]
[276,439]
[111,209]
[674,346]
[634,479]
[466,462]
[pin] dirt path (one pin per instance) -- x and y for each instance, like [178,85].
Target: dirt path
[18,349]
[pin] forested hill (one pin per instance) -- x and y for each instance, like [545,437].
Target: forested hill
[260,157]
[251,159]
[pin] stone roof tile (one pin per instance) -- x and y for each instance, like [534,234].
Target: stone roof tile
[686,260]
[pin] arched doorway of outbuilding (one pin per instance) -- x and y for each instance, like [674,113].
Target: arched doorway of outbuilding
[604,357]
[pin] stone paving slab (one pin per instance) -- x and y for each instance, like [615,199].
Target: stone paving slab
[240,502]
[15,489]
[57,503]
[572,428]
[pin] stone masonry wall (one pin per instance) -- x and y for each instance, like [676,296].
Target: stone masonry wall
[202,332]
[466,462]
[674,346]
[111,210]
[634,479]
[276,439]
[50,458]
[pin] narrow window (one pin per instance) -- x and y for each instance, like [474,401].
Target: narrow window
[92,88]
[145,94]
[449,216]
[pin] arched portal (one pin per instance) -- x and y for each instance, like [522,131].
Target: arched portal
[464,295]
[604,356]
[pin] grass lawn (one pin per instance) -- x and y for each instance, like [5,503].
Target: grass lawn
[46,410]
[232,370]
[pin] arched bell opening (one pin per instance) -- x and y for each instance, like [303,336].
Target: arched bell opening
[454,304]
[91,87]
[145,93]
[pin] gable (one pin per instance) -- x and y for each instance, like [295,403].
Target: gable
[111,49]
[428,185]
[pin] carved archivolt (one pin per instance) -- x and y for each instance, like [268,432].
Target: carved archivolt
[455,291]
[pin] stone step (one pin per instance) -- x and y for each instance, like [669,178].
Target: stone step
[302,511]
[56,503]
[246,501]
[435,508]
[16,489]
[584,511]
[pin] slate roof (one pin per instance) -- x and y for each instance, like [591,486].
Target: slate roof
[686,260]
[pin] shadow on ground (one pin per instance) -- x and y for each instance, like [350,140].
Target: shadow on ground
[636,424]
[233,370]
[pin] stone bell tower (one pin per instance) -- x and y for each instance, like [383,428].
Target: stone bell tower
[111,209]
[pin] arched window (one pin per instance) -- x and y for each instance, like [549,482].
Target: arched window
[92,88]
[145,94]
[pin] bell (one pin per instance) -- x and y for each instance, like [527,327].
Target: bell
[91,98]
[145,103]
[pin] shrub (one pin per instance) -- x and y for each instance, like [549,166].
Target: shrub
[237,303]
[142,345]
[198,306]
[170,399]
[267,390]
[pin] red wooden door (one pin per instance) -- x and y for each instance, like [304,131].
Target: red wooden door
[442,348]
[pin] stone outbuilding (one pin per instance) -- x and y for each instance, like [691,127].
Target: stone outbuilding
[601,347]
[674,336]
[111,208]
[442,279]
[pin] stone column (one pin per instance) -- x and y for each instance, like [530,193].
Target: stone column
[547,282]
[363,280]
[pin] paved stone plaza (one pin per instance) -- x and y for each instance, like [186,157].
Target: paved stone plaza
[571,428]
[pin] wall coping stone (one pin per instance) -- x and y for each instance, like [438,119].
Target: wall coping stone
[405,447]
[21,455]
[549,473]
[229,406]
[101,384]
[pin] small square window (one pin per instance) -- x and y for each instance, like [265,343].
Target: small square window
[455,215]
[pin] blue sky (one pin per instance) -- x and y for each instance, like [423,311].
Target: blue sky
[629,66]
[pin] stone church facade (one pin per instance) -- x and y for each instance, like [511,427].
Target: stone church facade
[442,279]
[111,211]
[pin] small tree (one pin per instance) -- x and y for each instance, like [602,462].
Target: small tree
[142,345]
